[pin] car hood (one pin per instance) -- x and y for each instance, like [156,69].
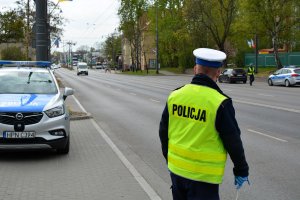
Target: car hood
[26,102]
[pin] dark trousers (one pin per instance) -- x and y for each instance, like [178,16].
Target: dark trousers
[185,189]
[251,77]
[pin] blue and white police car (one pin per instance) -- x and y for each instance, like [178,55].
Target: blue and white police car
[33,114]
[285,76]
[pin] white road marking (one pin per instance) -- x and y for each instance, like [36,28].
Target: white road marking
[227,90]
[154,100]
[266,95]
[132,93]
[81,107]
[266,135]
[138,177]
[267,106]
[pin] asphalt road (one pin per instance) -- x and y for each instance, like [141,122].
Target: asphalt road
[128,109]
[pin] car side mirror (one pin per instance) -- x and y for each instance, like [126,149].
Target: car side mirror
[67,92]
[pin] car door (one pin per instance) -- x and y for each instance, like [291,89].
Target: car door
[282,76]
[276,77]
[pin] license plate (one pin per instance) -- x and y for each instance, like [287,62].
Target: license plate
[20,134]
[239,75]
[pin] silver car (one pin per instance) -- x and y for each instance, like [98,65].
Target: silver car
[33,114]
[285,76]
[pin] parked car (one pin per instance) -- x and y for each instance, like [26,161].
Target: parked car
[99,66]
[33,114]
[290,66]
[233,76]
[82,68]
[285,76]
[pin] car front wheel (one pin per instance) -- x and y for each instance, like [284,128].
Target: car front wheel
[287,83]
[270,82]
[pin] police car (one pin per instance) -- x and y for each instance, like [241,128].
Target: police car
[285,76]
[33,114]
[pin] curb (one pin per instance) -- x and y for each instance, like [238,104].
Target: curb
[82,116]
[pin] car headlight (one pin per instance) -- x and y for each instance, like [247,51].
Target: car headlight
[55,112]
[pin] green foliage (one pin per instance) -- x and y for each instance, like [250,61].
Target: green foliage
[12,53]
[11,27]
[184,25]
[112,48]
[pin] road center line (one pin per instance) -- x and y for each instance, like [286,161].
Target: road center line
[266,135]
[138,177]
[266,95]
[267,106]
[227,90]
[154,100]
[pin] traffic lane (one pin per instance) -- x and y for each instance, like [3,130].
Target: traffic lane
[278,123]
[286,97]
[227,190]
[149,92]
[274,161]
[132,126]
[239,91]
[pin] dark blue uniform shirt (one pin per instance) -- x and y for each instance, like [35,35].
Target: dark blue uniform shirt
[226,125]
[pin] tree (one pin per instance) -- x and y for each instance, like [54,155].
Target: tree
[278,19]
[26,10]
[11,27]
[130,13]
[174,41]
[215,16]
[112,48]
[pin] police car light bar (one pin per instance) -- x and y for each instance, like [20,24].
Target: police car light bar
[25,63]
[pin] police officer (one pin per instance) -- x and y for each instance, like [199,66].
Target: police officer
[197,130]
[251,73]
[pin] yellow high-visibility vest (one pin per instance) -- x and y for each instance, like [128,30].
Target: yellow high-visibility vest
[250,70]
[195,150]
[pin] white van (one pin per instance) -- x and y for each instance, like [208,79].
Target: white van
[82,68]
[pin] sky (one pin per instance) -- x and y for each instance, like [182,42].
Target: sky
[89,21]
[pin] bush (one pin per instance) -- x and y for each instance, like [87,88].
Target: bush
[12,53]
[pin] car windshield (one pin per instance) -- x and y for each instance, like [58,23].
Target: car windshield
[239,71]
[297,71]
[26,82]
[82,66]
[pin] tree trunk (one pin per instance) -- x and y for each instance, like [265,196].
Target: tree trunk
[275,48]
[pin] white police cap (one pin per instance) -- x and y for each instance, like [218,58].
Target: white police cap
[209,57]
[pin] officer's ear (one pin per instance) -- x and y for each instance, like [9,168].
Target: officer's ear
[218,72]
[195,69]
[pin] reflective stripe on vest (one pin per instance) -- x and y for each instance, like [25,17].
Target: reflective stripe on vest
[250,70]
[195,150]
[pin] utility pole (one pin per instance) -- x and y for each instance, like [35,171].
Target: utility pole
[156,29]
[42,32]
[256,53]
[70,44]
[27,29]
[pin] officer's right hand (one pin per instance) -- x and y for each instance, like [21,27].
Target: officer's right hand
[239,180]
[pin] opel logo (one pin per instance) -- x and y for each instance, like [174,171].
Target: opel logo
[19,116]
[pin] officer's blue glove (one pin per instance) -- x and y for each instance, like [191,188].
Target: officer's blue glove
[238,181]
